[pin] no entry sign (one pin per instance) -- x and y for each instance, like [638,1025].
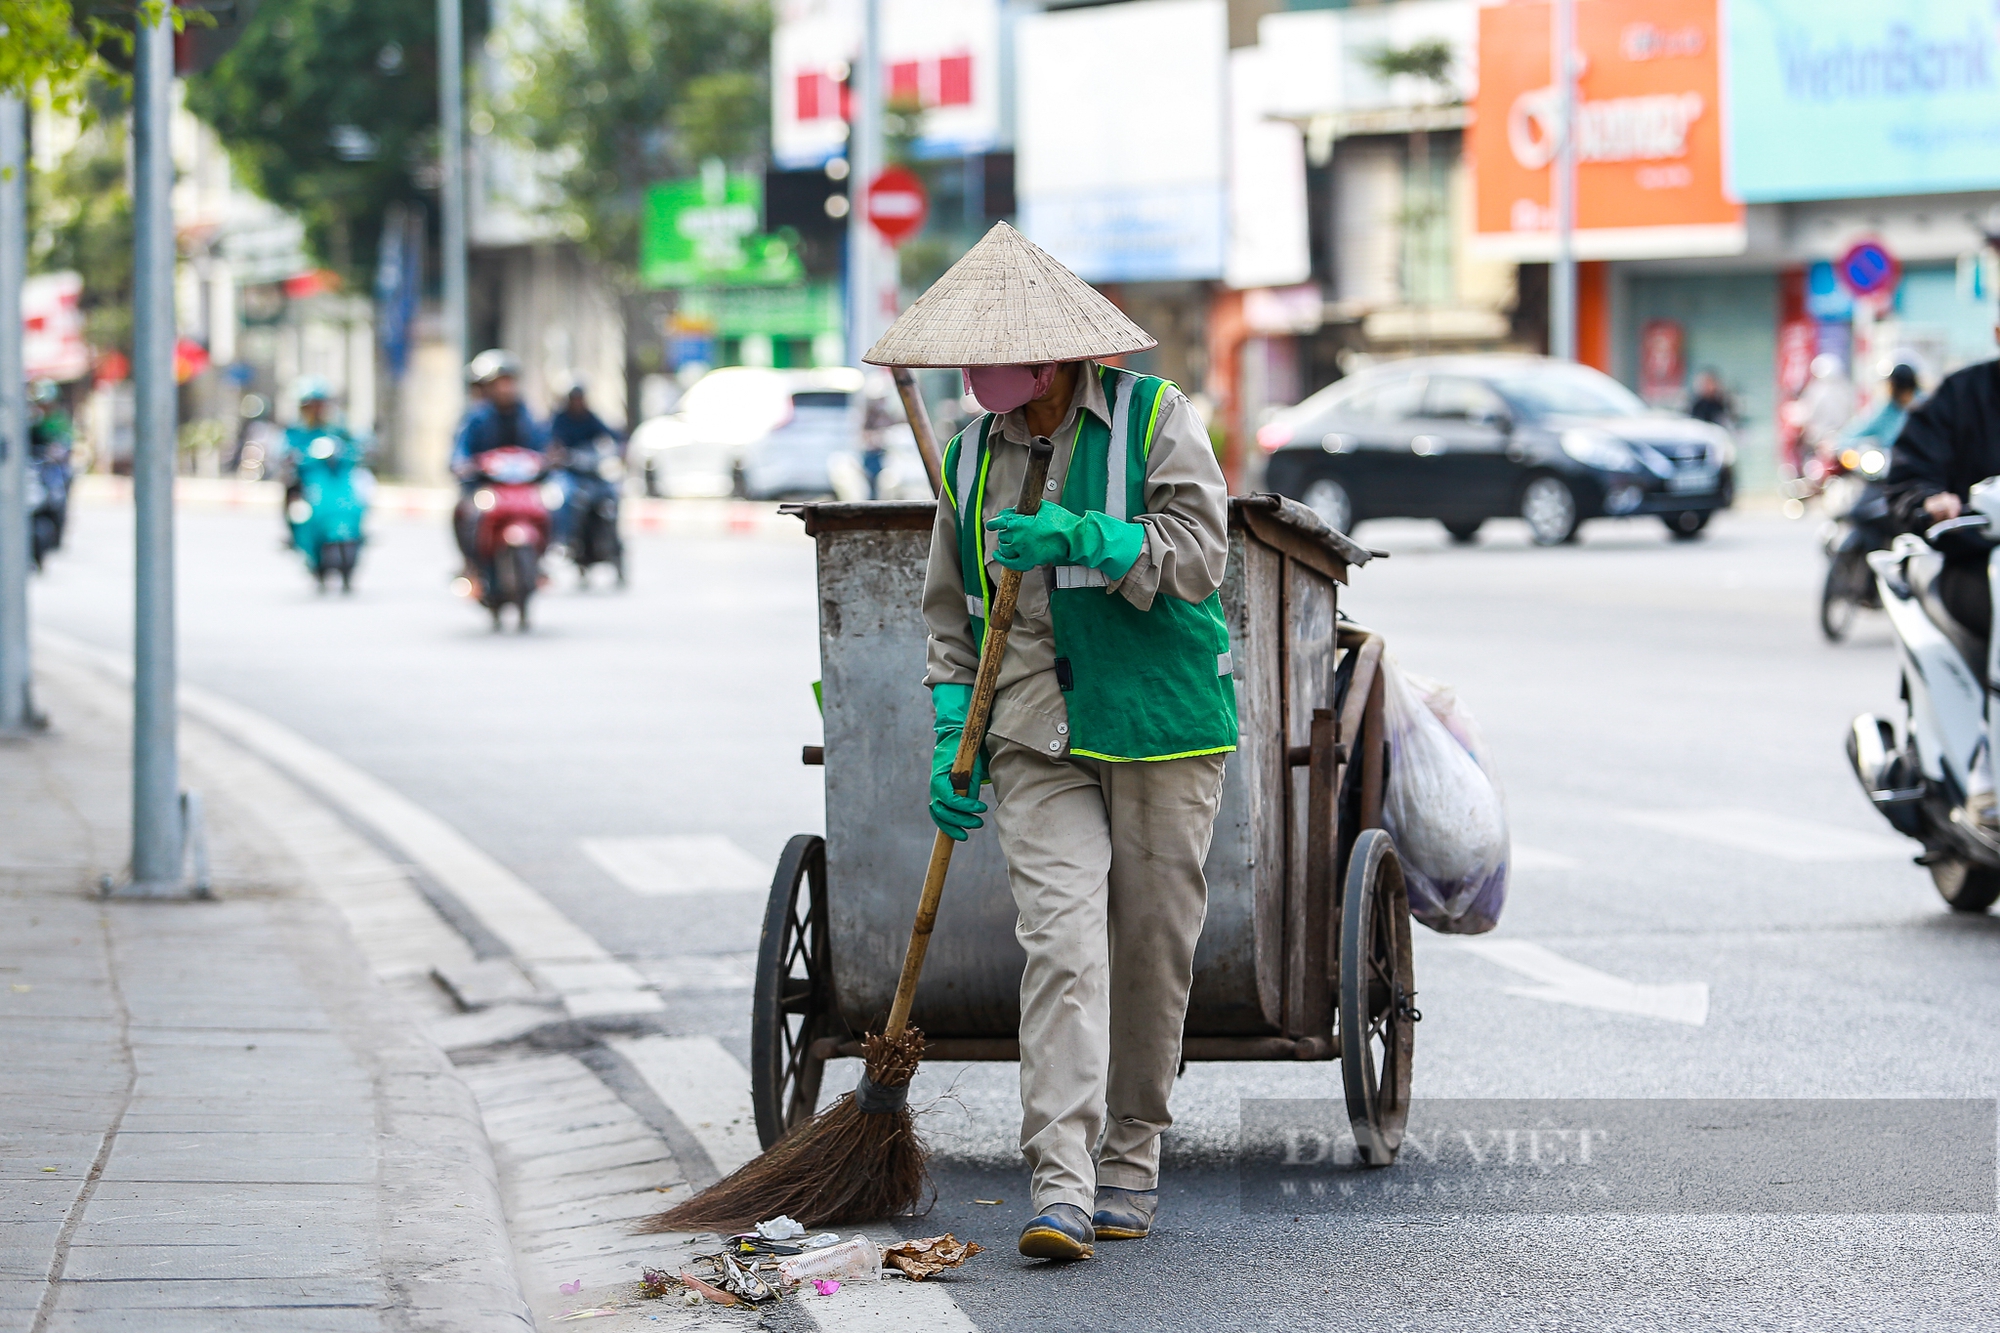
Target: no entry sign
[897,204]
[1868,268]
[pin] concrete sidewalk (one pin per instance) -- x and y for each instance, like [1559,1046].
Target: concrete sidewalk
[215,1116]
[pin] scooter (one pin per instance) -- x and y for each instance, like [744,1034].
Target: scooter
[1859,523]
[589,517]
[326,516]
[48,477]
[1918,774]
[513,529]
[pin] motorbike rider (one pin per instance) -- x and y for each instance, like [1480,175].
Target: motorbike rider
[498,420]
[575,426]
[1950,442]
[314,397]
[1881,424]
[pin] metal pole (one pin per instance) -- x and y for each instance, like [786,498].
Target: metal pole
[864,161]
[1562,188]
[156,806]
[14,711]
[451,183]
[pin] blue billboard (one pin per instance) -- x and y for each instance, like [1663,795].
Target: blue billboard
[1833,99]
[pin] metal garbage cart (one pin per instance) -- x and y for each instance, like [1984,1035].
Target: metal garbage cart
[1305,952]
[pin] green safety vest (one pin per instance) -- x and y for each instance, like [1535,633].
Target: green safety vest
[1139,685]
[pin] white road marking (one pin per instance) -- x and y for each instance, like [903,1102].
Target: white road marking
[1773,835]
[889,1305]
[660,866]
[1564,982]
[1535,858]
[705,1088]
[562,956]
[701,971]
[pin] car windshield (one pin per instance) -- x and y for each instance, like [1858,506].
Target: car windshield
[819,398]
[1568,391]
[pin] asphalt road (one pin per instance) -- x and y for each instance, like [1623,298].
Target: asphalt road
[1669,726]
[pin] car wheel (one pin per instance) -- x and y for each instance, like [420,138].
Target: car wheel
[1464,533]
[1549,506]
[1686,525]
[1330,500]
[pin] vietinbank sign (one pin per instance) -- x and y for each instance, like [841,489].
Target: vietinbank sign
[1834,99]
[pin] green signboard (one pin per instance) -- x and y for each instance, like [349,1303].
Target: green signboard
[801,311]
[704,232]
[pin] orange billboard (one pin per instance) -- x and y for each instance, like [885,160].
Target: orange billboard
[1648,132]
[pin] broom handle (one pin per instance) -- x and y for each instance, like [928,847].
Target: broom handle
[999,624]
[920,424]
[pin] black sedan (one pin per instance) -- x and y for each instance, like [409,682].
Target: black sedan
[1466,438]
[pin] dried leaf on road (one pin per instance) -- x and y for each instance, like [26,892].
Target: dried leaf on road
[716,1294]
[918,1259]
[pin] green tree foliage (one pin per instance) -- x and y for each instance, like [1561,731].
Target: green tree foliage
[619,94]
[329,109]
[80,217]
[1429,60]
[42,48]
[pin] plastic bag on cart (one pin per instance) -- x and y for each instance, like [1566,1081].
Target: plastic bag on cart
[1443,806]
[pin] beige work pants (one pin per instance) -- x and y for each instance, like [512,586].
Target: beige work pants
[1105,861]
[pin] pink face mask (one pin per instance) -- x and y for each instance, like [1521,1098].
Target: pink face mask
[1004,388]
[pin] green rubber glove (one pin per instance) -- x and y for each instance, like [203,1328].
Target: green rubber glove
[1053,535]
[955,815]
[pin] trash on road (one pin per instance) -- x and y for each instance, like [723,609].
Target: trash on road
[991,1203]
[780,1228]
[572,1288]
[710,1293]
[595,1312]
[745,1282]
[825,1286]
[919,1259]
[854,1260]
[657,1282]
[820,1242]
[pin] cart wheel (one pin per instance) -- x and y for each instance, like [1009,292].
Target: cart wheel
[792,1006]
[1377,991]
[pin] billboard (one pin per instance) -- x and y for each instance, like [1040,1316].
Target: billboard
[1648,133]
[942,54]
[1835,99]
[1120,166]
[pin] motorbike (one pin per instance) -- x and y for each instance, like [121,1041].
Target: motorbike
[589,517]
[48,478]
[1919,771]
[1858,523]
[513,506]
[327,514]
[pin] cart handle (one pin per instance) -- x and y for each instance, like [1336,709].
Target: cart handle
[999,624]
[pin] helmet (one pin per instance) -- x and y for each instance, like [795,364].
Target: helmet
[43,391]
[1825,366]
[575,384]
[491,365]
[1902,377]
[311,389]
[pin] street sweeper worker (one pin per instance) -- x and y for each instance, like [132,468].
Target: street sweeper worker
[1114,711]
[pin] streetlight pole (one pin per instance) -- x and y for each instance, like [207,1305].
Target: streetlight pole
[451,181]
[1562,189]
[864,161]
[15,715]
[156,805]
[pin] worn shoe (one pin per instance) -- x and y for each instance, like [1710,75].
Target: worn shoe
[1124,1214]
[1061,1232]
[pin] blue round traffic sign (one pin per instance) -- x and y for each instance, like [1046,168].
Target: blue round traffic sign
[1868,268]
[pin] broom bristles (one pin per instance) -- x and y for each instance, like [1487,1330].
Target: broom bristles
[843,1166]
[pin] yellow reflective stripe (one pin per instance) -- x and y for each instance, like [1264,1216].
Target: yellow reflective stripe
[944,476]
[979,519]
[1151,758]
[1153,422]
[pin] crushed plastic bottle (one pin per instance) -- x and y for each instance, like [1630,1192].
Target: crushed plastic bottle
[856,1260]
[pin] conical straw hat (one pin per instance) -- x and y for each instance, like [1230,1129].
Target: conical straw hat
[1007,302]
